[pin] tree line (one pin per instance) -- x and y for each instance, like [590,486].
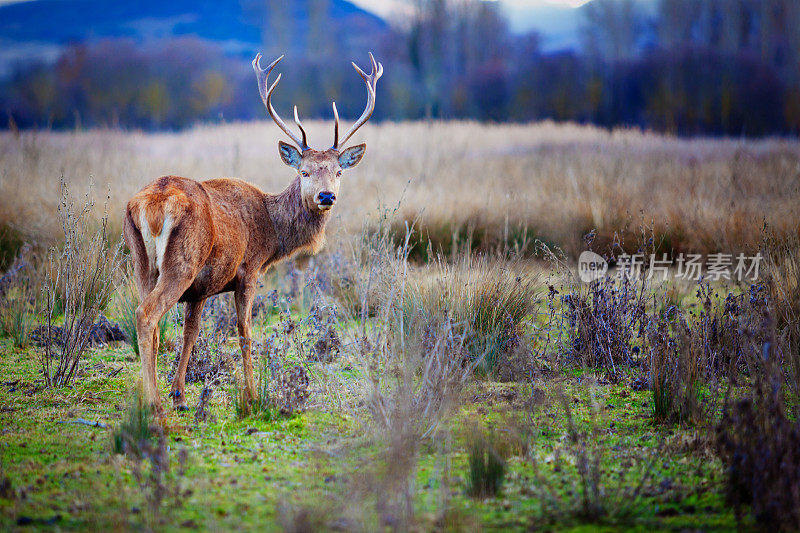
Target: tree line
[686,67]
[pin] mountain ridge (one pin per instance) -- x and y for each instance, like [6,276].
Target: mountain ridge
[38,30]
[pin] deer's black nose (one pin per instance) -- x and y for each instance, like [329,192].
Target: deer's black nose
[326,198]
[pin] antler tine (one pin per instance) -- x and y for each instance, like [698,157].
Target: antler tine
[335,126]
[377,68]
[266,96]
[262,75]
[300,125]
[370,81]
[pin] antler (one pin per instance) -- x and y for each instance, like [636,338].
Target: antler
[370,80]
[266,96]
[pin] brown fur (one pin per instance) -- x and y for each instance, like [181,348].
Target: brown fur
[224,234]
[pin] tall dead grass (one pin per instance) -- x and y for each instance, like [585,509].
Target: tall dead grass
[490,186]
[487,300]
[783,281]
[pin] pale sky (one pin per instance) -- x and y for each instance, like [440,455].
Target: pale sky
[384,8]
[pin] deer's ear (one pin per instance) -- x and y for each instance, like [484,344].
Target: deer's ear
[290,155]
[350,157]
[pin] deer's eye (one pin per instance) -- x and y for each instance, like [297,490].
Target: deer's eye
[338,172]
[304,173]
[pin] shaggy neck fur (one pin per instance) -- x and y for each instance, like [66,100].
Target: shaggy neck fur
[296,226]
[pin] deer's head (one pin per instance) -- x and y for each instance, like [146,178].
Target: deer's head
[319,171]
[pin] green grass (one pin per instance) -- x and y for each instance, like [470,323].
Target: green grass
[241,473]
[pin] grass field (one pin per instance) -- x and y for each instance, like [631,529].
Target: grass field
[465,381]
[549,181]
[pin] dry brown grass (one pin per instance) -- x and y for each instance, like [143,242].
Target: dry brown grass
[500,182]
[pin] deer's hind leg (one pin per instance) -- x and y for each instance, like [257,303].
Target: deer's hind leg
[164,295]
[180,257]
[193,312]
[145,279]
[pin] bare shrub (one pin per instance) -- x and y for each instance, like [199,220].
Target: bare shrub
[335,274]
[209,359]
[415,367]
[323,336]
[604,318]
[358,281]
[760,447]
[221,311]
[210,364]
[282,385]
[84,266]
[597,324]
[692,355]
[729,331]
[418,349]
[413,387]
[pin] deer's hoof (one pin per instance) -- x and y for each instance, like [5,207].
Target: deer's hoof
[178,402]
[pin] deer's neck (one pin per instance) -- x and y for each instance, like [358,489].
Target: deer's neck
[296,227]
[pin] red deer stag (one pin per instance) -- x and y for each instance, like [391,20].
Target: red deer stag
[190,240]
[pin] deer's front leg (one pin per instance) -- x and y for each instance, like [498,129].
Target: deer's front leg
[244,295]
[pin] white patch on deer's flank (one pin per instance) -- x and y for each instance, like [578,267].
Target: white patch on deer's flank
[162,239]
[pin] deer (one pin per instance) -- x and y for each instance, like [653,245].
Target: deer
[190,240]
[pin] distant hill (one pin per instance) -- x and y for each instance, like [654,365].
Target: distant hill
[558,25]
[37,30]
